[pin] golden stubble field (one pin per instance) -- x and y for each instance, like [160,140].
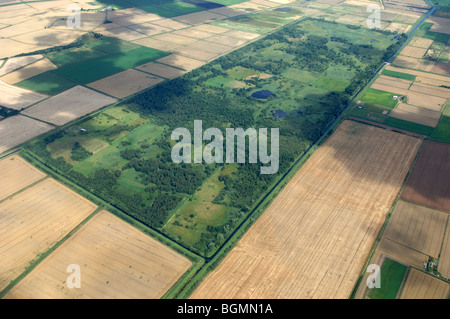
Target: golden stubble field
[314,238]
[115,259]
[35,219]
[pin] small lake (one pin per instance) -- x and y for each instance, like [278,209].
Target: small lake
[263,94]
[279,114]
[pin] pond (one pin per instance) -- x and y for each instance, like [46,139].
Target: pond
[263,94]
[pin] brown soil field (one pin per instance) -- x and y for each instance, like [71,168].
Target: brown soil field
[388,88]
[414,52]
[19,62]
[181,62]
[314,238]
[441,25]
[223,39]
[68,105]
[17,98]
[428,183]
[175,38]
[444,262]
[228,12]
[195,53]
[413,63]
[422,286]
[33,221]
[125,83]
[394,82]
[19,129]
[210,47]
[199,17]
[29,71]
[193,33]
[417,227]
[124,33]
[431,89]
[416,114]
[432,82]
[420,42]
[171,24]
[210,28]
[15,174]
[149,29]
[441,68]
[116,261]
[430,102]
[157,44]
[161,70]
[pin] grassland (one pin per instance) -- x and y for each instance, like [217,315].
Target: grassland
[379,97]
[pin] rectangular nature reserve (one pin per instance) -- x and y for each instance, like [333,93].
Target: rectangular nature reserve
[122,154]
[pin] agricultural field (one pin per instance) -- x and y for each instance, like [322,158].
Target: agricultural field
[116,261]
[33,221]
[16,174]
[423,286]
[393,275]
[122,154]
[19,129]
[17,98]
[68,105]
[427,184]
[289,255]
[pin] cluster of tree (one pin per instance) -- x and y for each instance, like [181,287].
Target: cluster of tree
[79,153]
[5,112]
[168,176]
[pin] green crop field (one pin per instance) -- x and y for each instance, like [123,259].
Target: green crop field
[123,155]
[379,97]
[399,75]
[108,65]
[47,83]
[392,275]
[409,126]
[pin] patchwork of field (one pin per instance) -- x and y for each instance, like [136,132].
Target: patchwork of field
[416,114]
[68,105]
[331,223]
[115,259]
[423,286]
[19,129]
[420,79]
[35,219]
[417,227]
[417,232]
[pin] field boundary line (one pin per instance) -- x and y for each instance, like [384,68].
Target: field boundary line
[42,256]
